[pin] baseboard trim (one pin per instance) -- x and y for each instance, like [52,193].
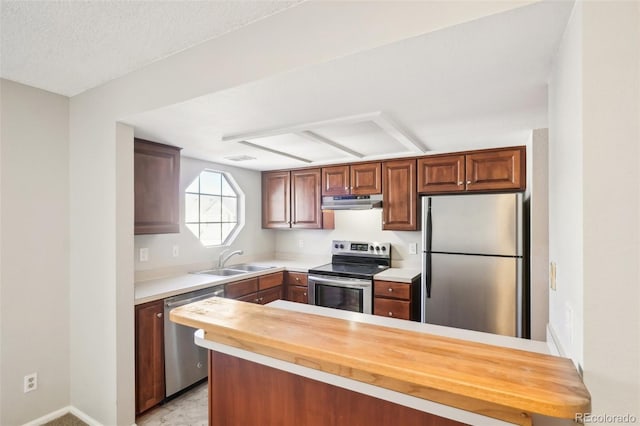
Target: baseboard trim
[61,412]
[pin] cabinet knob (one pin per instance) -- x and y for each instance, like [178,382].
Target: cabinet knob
[390,314]
[460,183]
[468,182]
[159,314]
[389,289]
[305,293]
[297,278]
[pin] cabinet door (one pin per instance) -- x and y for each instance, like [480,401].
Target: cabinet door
[399,206]
[237,289]
[156,188]
[366,179]
[276,200]
[271,280]
[391,308]
[298,294]
[305,199]
[496,170]
[269,295]
[335,180]
[441,174]
[392,290]
[149,354]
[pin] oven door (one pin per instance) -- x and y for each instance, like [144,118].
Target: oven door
[349,294]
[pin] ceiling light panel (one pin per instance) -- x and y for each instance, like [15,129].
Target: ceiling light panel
[298,146]
[365,137]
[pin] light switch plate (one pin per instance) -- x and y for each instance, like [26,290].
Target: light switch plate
[143,255]
[413,248]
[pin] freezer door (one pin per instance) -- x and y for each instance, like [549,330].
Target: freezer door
[476,293]
[485,223]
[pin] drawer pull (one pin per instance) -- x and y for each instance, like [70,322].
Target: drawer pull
[390,290]
[159,314]
[390,314]
[305,293]
[297,278]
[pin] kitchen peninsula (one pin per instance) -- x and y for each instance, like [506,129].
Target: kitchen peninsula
[299,364]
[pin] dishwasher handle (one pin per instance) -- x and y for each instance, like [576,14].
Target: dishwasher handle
[180,302]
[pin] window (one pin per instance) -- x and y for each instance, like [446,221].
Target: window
[212,207]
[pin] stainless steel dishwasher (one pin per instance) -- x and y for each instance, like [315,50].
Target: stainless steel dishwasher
[185,363]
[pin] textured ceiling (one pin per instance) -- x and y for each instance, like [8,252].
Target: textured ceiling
[67,47]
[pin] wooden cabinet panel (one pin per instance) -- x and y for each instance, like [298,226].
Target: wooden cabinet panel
[400,205]
[495,170]
[271,280]
[366,179]
[276,192]
[295,278]
[335,180]
[441,174]
[296,293]
[242,392]
[156,188]
[149,355]
[305,199]
[240,288]
[392,308]
[269,295]
[392,290]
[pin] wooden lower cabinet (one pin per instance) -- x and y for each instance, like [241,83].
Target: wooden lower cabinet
[246,393]
[149,355]
[296,287]
[262,290]
[397,299]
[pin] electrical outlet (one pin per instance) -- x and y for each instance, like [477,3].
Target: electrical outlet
[300,243]
[413,248]
[143,255]
[30,382]
[176,251]
[552,275]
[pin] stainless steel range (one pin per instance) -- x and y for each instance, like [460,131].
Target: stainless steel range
[347,282]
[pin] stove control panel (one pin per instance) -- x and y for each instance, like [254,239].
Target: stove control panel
[361,248]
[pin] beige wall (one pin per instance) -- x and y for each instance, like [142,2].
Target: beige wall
[34,291]
[594,200]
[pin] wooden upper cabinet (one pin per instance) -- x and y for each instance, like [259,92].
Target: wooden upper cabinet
[305,199]
[156,186]
[335,180]
[276,193]
[400,205]
[291,199]
[356,179]
[441,174]
[496,170]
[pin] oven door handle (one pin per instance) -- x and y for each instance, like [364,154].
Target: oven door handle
[336,281]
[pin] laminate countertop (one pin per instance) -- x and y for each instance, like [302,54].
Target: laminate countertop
[489,380]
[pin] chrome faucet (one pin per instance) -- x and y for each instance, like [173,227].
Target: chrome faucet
[222,259]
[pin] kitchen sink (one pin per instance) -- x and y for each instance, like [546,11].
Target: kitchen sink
[226,272]
[249,268]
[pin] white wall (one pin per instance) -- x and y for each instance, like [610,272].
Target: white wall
[611,204]
[361,225]
[252,239]
[566,188]
[262,49]
[34,294]
[594,199]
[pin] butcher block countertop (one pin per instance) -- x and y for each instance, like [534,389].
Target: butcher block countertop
[494,381]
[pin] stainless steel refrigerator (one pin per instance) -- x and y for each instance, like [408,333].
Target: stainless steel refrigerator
[473,270]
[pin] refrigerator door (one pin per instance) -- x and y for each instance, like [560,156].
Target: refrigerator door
[476,293]
[489,224]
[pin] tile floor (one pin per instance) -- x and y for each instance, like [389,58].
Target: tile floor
[189,409]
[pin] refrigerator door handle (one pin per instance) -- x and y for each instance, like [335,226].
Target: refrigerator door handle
[429,227]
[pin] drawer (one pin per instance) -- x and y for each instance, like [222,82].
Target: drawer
[391,308]
[392,289]
[240,288]
[251,298]
[296,278]
[269,295]
[271,280]
[297,294]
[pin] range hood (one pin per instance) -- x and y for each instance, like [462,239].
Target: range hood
[352,202]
